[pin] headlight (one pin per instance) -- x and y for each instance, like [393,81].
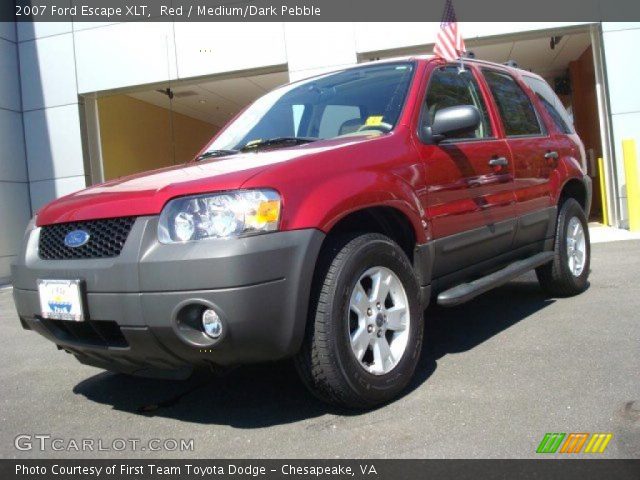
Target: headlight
[228,214]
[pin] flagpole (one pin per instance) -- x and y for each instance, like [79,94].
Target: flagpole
[449,42]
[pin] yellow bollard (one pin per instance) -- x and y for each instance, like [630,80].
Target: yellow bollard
[603,193]
[633,186]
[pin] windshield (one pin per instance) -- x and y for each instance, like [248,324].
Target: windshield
[332,105]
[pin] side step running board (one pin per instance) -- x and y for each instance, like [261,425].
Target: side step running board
[466,291]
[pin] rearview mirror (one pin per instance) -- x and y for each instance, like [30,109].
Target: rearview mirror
[456,120]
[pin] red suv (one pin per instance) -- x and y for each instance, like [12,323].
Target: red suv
[318,225]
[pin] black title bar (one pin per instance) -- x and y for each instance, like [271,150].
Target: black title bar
[317,10]
[320,469]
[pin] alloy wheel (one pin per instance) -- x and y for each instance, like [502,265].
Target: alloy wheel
[576,247]
[378,320]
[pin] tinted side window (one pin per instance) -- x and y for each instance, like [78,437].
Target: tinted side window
[448,87]
[551,103]
[518,115]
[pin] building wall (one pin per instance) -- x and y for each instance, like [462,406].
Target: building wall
[623,72]
[584,102]
[586,119]
[14,187]
[51,111]
[61,60]
[136,136]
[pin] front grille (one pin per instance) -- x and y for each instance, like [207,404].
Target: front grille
[95,333]
[106,239]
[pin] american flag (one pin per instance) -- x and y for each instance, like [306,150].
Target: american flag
[449,43]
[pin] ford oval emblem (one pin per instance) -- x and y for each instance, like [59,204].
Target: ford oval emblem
[76,239]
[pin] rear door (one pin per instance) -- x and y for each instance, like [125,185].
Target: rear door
[469,179]
[566,143]
[534,155]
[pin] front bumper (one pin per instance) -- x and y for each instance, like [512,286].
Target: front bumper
[143,306]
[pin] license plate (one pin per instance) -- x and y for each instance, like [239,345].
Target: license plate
[61,299]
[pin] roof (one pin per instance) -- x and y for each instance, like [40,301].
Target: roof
[428,58]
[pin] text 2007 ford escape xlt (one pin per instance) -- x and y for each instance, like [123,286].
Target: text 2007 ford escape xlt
[318,225]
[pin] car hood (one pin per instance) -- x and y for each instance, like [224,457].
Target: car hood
[147,193]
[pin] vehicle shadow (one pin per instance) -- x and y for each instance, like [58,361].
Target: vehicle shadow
[271,394]
[458,329]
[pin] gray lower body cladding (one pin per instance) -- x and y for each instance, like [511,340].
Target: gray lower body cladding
[143,306]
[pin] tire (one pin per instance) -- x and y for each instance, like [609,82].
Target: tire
[327,361]
[560,277]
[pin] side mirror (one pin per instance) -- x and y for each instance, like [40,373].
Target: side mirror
[454,121]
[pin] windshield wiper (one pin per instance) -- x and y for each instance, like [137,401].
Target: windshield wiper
[216,153]
[278,141]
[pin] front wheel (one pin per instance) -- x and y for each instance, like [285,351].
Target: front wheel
[567,274]
[365,326]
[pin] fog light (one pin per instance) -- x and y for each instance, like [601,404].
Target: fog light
[211,323]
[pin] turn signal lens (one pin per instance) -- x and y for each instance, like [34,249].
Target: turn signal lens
[268,212]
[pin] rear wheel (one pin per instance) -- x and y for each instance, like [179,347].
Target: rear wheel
[365,326]
[567,274]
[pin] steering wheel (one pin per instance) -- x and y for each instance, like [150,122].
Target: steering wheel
[382,127]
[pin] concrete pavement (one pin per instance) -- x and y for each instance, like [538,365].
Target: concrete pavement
[496,374]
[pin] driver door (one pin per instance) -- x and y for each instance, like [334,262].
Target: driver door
[469,177]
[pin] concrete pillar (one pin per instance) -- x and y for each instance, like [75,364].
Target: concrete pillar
[622,71]
[14,186]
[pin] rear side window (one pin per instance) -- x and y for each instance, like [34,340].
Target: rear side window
[517,112]
[551,104]
[449,87]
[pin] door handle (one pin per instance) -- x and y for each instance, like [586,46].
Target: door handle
[498,162]
[552,158]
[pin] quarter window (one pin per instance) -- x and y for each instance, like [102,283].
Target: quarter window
[517,112]
[450,87]
[551,103]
